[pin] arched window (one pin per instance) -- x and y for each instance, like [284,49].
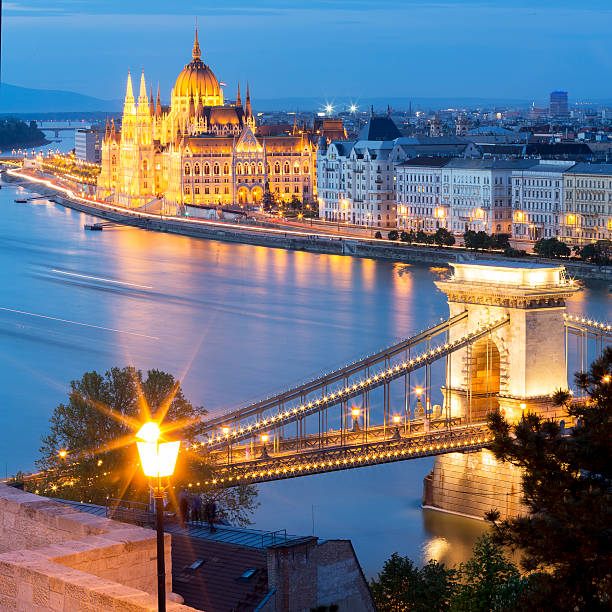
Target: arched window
[216,169]
[247,169]
[114,160]
[296,168]
[253,168]
[259,168]
[206,169]
[268,172]
[187,169]
[196,169]
[226,169]
[276,168]
[287,169]
[145,167]
[305,169]
[239,168]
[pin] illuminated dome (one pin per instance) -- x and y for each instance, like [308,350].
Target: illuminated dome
[197,79]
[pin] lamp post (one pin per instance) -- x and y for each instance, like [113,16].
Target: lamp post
[158,460]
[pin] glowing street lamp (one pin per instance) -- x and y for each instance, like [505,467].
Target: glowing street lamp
[397,419]
[158,460]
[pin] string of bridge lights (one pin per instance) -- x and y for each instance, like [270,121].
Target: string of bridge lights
[346,462]
[591,322]
[346,391]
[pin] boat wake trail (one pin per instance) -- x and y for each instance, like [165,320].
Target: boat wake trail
[110,329]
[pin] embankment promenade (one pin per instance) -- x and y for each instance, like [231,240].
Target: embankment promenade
[300,240]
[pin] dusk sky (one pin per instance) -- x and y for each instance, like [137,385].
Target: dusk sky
[317,48]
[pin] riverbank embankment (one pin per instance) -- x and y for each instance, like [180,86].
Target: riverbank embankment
[300,240]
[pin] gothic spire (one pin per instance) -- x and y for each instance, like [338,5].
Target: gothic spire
[158,108]
[107,131]
[152,102]
[196,45]
[238,98]
[143,99]
[247,108]
[128,106]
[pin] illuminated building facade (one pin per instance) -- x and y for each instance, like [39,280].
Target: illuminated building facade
[587,200]
[200,150]
[537,200]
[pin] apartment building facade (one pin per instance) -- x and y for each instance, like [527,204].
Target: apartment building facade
[587,198]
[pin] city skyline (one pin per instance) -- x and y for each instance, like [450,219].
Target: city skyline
[498,52]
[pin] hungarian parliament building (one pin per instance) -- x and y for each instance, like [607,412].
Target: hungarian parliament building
[199,150]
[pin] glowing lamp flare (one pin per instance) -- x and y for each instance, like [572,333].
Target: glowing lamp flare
[158,459]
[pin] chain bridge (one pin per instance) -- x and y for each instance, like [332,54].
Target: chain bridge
[505,346]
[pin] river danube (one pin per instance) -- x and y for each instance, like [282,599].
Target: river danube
[233,322]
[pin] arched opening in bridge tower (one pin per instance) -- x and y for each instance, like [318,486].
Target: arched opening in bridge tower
[484,379]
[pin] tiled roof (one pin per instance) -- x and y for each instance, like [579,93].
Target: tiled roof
[379,128]
[590,169]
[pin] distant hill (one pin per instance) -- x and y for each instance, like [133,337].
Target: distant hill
[20,100]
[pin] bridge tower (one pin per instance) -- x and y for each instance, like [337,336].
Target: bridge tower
[515,368]
[518,366]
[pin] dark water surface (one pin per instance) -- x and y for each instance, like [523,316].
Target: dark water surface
[234,322]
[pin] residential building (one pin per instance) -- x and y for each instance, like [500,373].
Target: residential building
[537,199]
[456,194]
[587,211]
[355,178]
[418,184]
[477,194]
[88,144]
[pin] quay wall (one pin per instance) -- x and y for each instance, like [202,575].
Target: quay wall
[472,483]
[314,243]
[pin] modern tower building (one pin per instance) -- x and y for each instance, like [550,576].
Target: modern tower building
[558,104]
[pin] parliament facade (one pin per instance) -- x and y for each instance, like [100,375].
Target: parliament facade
[199,150]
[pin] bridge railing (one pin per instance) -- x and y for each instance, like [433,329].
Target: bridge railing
[215,424]
[368,382]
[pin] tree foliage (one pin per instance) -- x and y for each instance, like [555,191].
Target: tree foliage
[488,581]
[393,235]
[17,133]
[552,248]
[402,586]
[89,453]
[599,253]
[443,237]
[566,539]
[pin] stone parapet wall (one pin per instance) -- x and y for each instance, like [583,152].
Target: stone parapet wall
[473,483]
[57,558]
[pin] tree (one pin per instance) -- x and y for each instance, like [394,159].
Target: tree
[488,581]
[551,248]
[267,200]
[476,240]
[295,203]
[443,237]
[421,237]
[500,241]
[402,586]
[393,235]
[378,235]
[89,453]
[565,540]
[599,253]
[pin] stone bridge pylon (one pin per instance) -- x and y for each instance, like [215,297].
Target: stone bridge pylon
[519,365]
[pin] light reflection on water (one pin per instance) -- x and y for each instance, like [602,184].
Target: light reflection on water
[236,322]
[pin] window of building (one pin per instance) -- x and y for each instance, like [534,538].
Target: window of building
[196,169]
[187,169]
